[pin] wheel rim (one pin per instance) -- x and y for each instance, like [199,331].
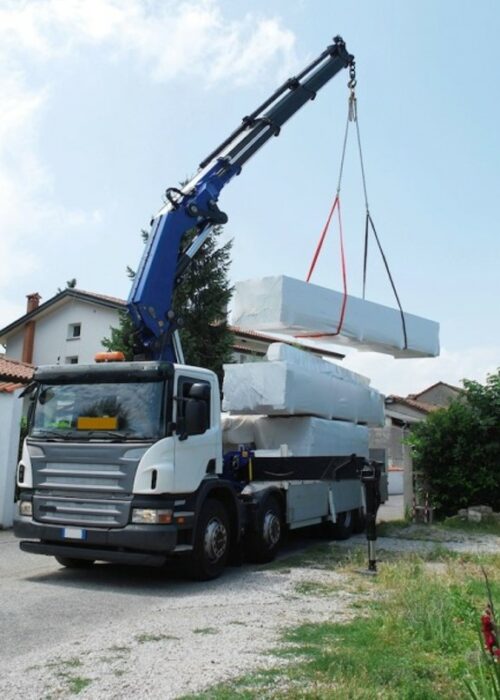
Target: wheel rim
[347,518]
[215,540]
[271,528]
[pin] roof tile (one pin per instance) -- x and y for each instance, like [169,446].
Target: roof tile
[411,403]
[10,387]
[16,370]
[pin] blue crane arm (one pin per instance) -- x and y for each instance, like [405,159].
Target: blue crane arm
[194,207]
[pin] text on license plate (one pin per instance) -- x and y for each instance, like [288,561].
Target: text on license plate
[74,533]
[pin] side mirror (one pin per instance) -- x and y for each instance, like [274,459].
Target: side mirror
[195,417]
[200,391]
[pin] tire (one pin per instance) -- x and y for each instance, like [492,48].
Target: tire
[342,529]
[359,521]
[212,542]
[71,563]
[262,544]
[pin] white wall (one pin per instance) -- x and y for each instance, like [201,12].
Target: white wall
[51,333]
[10,426]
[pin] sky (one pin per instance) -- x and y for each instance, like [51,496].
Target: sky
[105,103]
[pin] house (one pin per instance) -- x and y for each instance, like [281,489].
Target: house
[69,327]
[66,329]
[388,444]
[439,394]
[14,375]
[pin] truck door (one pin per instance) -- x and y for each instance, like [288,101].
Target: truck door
[195,442]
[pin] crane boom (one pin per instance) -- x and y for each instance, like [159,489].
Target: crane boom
[195,205]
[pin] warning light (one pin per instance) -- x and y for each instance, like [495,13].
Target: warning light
[115,356]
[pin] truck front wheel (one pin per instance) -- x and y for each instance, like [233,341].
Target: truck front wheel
[211,545]
[263,542]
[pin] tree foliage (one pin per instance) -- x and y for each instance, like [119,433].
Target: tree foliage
[200,301]
[123,337]
[457,449]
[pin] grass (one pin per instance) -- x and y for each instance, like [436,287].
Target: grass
[119,650]
[442,530]
[487,526]
[316,588]
[73,662]
[205,630]
[148,637]
[416,638]
[77,683]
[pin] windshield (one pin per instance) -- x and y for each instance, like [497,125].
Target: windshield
[132,410]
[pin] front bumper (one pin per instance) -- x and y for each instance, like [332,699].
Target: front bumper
[134,544]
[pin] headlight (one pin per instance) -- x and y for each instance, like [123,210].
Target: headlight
[25,508]
[151,516]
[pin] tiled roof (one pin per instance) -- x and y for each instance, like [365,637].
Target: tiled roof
[15,370]
[9,387]
[264,337]
[67,293]
[411,403]
[433,386]
[102,297]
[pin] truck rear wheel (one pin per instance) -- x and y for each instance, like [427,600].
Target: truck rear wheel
[212,539]
[263,543]
[71,563]
[342,529]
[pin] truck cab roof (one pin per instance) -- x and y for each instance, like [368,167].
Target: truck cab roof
[104,372]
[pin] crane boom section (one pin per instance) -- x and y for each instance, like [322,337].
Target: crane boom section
[194,207]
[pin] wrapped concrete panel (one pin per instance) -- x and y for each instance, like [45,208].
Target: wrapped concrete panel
[287,353]
[285,305]
[287,389]
[311,437]
[237,430]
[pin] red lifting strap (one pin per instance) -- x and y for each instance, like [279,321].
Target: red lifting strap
[336,205]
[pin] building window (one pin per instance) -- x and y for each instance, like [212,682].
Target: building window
[72,360]
[74,331]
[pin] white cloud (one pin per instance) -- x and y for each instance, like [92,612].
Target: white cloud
[404,377]
[29,213]
[9,312]
[169,39]
[173,39]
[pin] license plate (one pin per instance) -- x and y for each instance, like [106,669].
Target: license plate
[74,533]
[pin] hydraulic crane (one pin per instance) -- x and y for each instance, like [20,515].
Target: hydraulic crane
[195,205]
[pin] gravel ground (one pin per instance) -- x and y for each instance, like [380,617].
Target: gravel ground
[115,632]
[142,633]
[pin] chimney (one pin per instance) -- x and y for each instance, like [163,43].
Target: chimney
[33,302]
[29,328]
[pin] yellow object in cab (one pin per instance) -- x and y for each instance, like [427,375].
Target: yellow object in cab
[99,423]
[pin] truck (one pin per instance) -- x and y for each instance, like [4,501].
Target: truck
[124,461]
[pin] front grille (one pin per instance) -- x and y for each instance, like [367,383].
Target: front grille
[78,469]
[97,477]
[90,512]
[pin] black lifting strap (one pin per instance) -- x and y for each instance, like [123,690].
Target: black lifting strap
[353,116]
[368,223]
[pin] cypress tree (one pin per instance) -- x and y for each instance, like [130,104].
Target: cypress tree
[201,301]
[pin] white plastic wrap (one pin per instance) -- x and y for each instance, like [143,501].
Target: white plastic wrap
[237,430]
[286,389]
[311,437]
[300,436]
[285,305]
[287,353]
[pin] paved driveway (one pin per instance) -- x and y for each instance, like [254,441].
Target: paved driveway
[115,632]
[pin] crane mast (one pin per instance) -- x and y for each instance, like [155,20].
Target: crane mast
[194,207]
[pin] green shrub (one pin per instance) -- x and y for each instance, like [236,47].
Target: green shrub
[457,449]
